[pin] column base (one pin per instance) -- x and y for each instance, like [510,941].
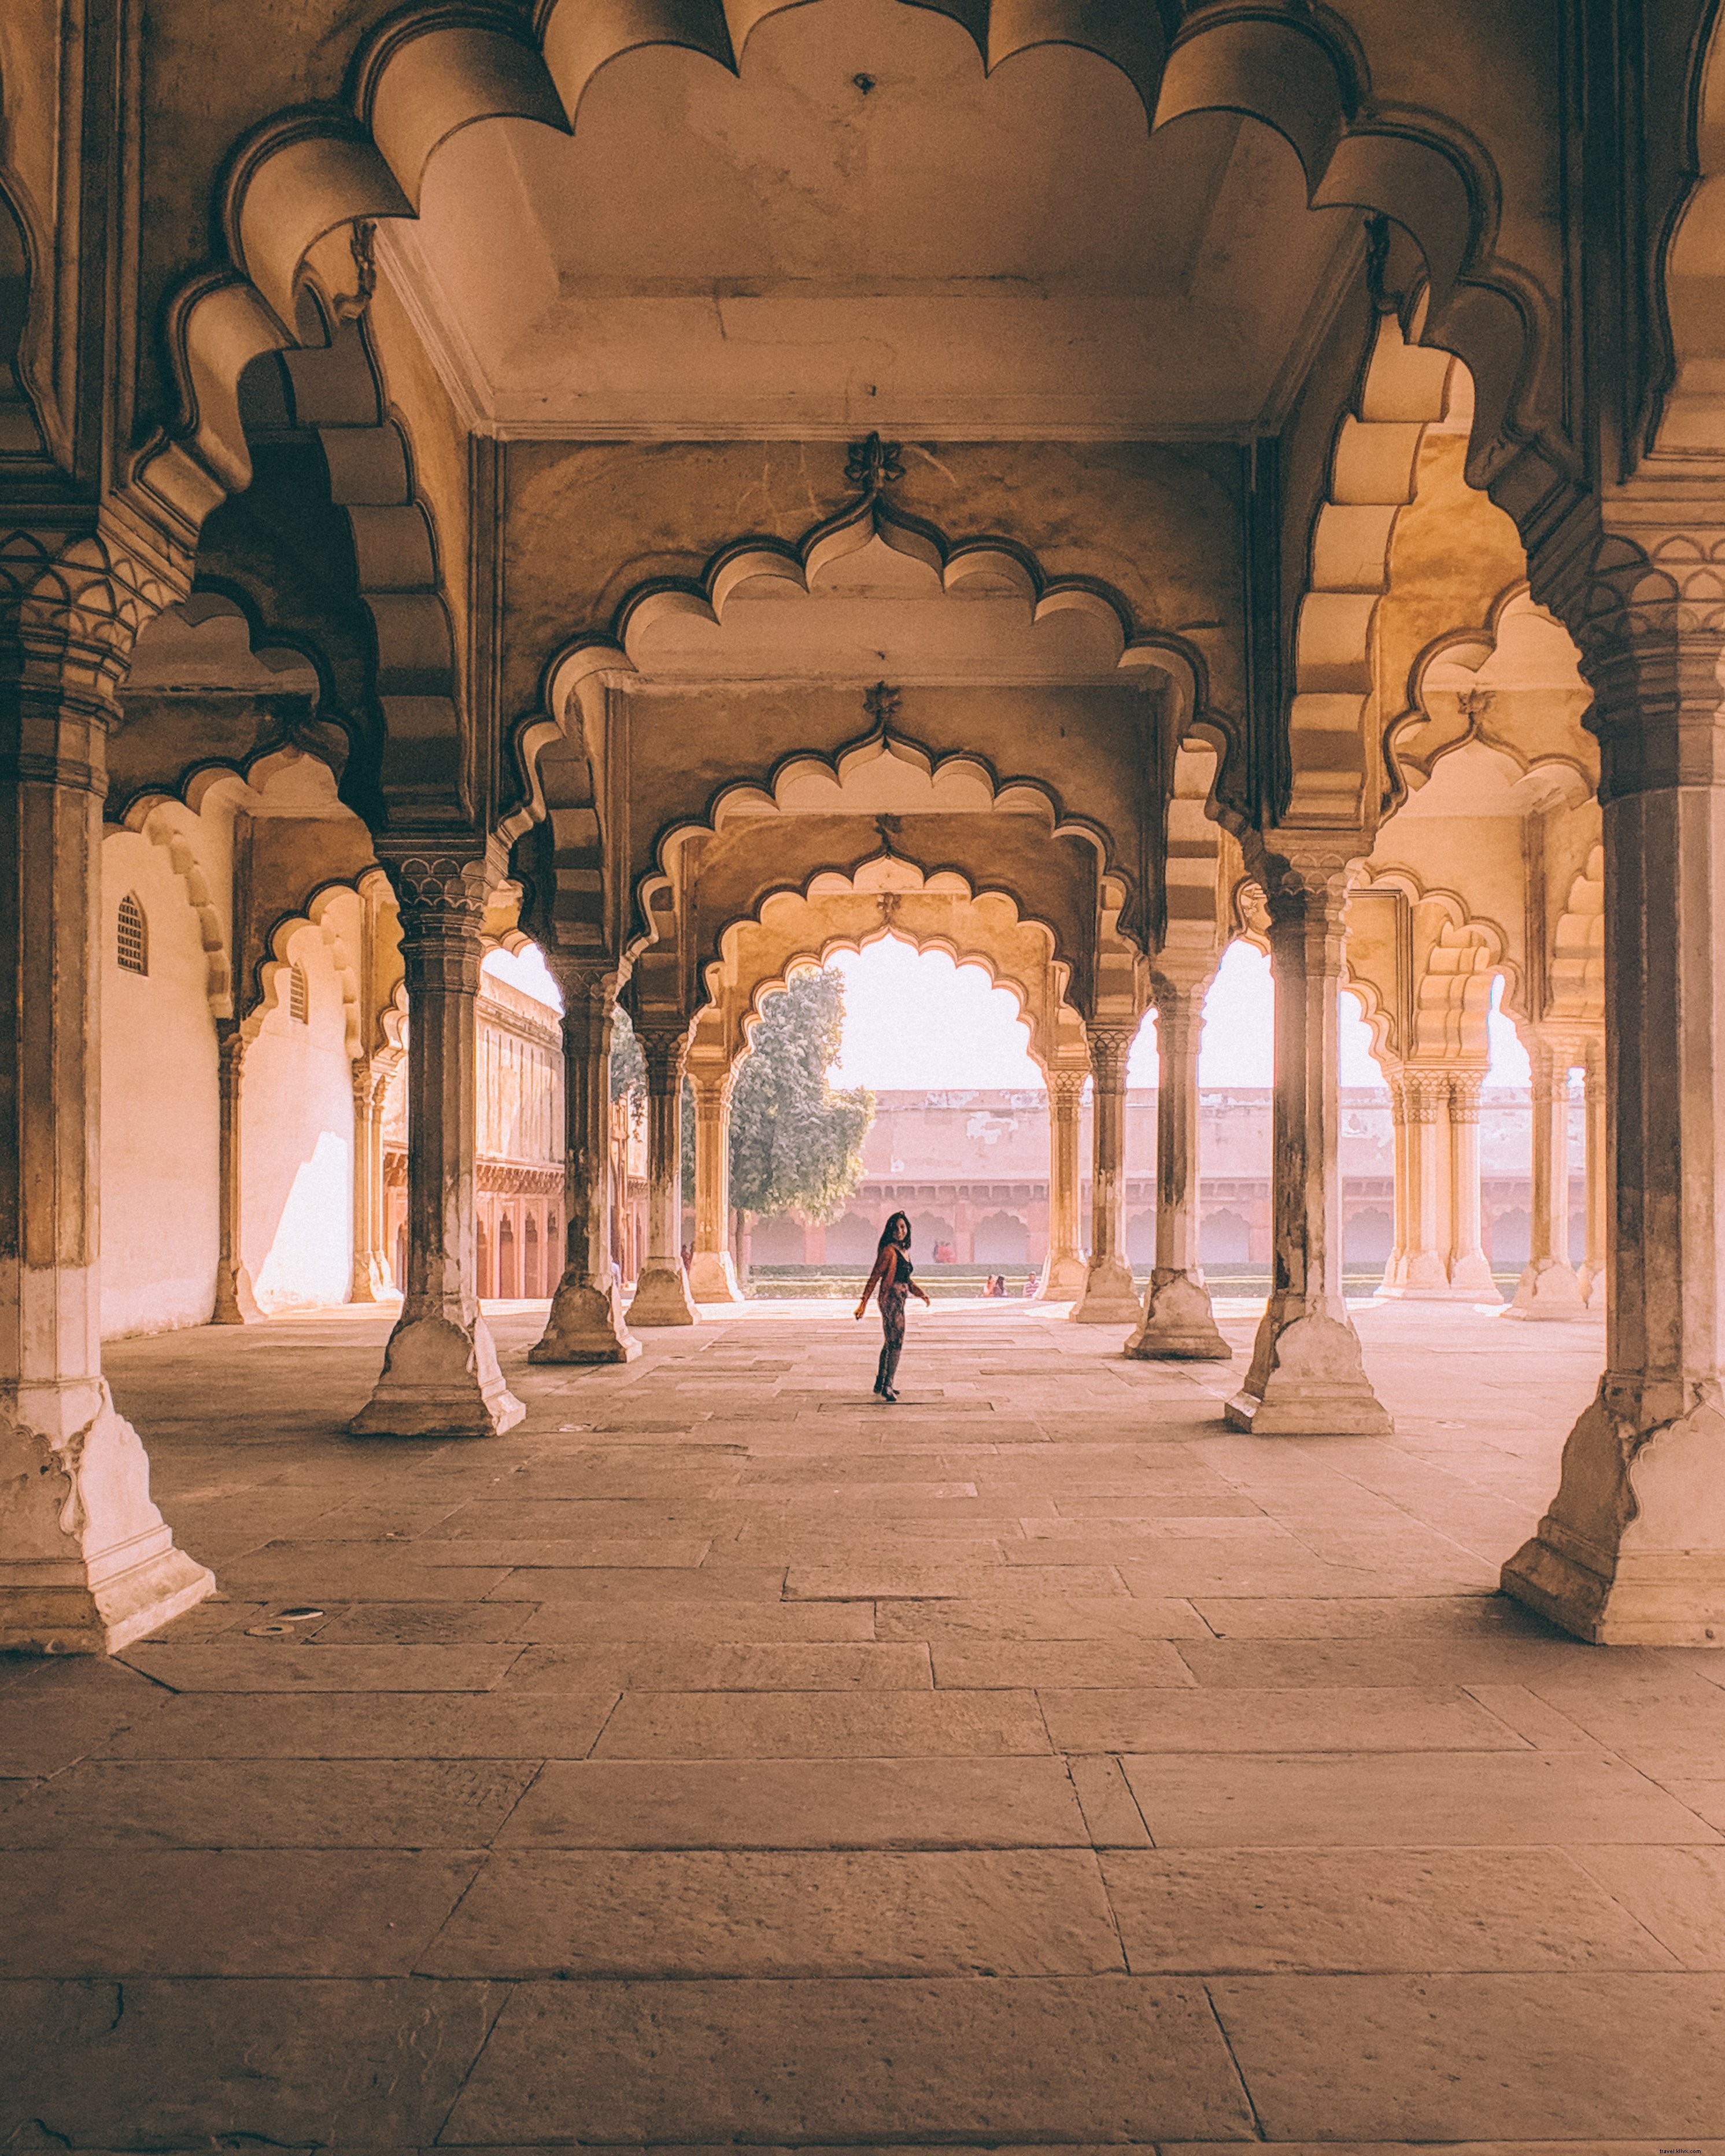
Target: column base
[112,1575]
[1178,1325]
[585,1325]
[1591,1281]
[371,1281]
[1632,1552]
[439,1380]
[1308,1379]
[712,1277]
[1062,1277]
[235,1304]
[1547,1292]
[1110,1295]
[662,1297]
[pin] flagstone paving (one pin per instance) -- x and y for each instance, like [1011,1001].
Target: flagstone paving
[721,1757]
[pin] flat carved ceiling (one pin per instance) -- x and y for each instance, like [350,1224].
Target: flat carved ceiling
[864,230]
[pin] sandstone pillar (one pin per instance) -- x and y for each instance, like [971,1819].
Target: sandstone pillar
[370,1271]
[1395,1270]
[235,1303]
[662,1296]
[1109,1297]
[440,1375]
[586,1323]
[1632,1547]
[1598,1187]
[712,1277]
[86,1562]
[1063,1269]
[1307,1375]
[1469,1269]
[1548,1288]
[1177,1322]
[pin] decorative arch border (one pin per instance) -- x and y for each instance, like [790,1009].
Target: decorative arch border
[1374,475]
[961,953]
[598,657]
[156,818]
[304,178]
[1461,920]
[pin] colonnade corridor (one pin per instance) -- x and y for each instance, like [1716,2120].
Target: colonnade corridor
[721,1756]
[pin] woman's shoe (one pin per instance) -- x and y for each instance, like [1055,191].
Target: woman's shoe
[890,1398]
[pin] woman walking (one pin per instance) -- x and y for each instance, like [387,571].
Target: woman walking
[892,1270]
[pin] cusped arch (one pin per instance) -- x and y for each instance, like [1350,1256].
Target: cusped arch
[302,183]
[1374,475]
[936,914]
[1576,979]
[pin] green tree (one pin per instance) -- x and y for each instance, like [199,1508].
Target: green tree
[629,1066]
[795,1142]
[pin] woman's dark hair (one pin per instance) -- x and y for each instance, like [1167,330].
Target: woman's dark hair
[886,1233]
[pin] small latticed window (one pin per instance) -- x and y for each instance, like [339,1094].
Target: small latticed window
[299,998]
[132,939]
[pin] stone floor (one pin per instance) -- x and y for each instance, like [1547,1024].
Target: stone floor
[722,1758]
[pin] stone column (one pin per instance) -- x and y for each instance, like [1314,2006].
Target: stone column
[712,1277]
[1177,1322]
[1548,1288]
[1469,1269]
[440,1375]
[1395,1271]
[370,1271]
[1063,1269]
[1109,1297]
[1307,1375]
[235,1303]
[1598,1187]
[586,1324]
[1420,1263]
[86,1562]
[1632,1547]
[662,1296]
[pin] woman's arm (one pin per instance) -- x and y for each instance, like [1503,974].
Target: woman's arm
[917,1290]
[881,1258]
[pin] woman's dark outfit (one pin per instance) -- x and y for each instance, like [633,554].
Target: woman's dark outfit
[894,1289]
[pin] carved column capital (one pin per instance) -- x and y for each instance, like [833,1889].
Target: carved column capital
[441,898]
[1066,1091]
[1423,1093]
[1111,1043]
[71,610]
[712,1091]
[1649,619]
[665,1053]
[1465,1090]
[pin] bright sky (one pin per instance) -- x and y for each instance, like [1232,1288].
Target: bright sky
[916,1021]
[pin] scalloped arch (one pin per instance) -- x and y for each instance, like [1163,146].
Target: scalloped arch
[964,943]
[1373,475]
[436,69]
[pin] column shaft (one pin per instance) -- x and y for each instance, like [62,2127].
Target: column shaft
[1548,1288]
[370,1274]
[1632,1547]
[586,1323]
[440,1375]
[235,1303]
[1598,1187]
[712,1277]
[86,1563]
[662,1296]
[1110,1297]
[1064,1269]
[1395,1270]
[1469,1269]
[1177,1321]
[1424,1188]
[1307,1375]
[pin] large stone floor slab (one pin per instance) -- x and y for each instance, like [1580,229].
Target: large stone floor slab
[719,1758]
